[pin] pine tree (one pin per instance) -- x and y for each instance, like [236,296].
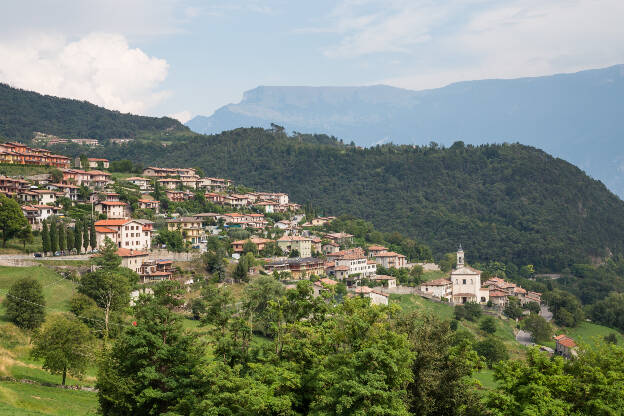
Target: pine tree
[53,237]
[70,239]
[45,238]
[78,237]
[92,236]
[85,235]
[61,236]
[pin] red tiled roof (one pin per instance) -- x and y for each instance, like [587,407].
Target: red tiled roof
[497,294]
[113,203]
[125,252]
[377,248]
[341,268]
[565,341]
[112,222]
[104,230]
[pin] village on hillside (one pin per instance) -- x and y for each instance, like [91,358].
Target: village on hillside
[135,213]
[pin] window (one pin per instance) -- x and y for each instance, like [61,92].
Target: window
[464,281]
[470,281]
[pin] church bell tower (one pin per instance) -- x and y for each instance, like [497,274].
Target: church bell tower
[460,257]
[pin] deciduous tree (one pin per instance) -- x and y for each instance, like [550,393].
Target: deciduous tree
[25,303]
[12,219]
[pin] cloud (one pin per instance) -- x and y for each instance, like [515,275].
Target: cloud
[182,116]
[438,42]
[101,68]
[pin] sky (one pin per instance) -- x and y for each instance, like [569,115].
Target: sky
[183,58]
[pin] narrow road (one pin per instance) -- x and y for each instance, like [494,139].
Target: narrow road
[524,338]
[545,313]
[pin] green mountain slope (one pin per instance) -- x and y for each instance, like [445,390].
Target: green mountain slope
[24,112]
[505,202]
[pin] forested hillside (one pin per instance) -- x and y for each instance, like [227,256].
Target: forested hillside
[507,202]
[24,112]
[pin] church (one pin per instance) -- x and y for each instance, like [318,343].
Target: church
[466,283]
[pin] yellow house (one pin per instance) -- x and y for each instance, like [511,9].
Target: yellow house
[190,227]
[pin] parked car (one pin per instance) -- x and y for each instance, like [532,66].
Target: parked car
[57,254]
[38,255]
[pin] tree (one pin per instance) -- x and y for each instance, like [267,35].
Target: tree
[78,237]
[513,309]
[25,303]
[215,263]
[61,236]
[25,235]
[441,368]
[53,237]
[65,345]
[533,307]
[92,236]
[540,385]
[611,338]
[108,258]
[160,375]
[45,237]
[250,247]
[294,253]
[84,161]
[12,219]
[258,294]
[538,327]
[566,307]
[448,262]
[70,239]
[241,270]
[492,350]
[85,235]
[109,285]
[56,175]
[488,325]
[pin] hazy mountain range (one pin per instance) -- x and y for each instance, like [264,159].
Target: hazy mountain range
[578,117]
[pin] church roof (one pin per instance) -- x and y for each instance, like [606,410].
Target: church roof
[465,270]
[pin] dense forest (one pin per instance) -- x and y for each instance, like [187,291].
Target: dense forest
[503,202]
[24,112]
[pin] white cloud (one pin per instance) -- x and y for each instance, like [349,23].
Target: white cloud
[100,68]
[182,116]
[439,42]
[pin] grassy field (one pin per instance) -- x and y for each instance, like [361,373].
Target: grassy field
[427,276]
[15,361]
[18,399]
[411,302]
[56,289]
[23,170]
[15,246]
[589,333]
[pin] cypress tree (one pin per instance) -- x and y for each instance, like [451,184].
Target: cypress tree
[85,235]
[45,237]
[92,236]
[70,239]
[78,237]
[53,237]
[61,236]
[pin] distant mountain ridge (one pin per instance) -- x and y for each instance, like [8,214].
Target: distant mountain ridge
[24,112]
[578,117]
